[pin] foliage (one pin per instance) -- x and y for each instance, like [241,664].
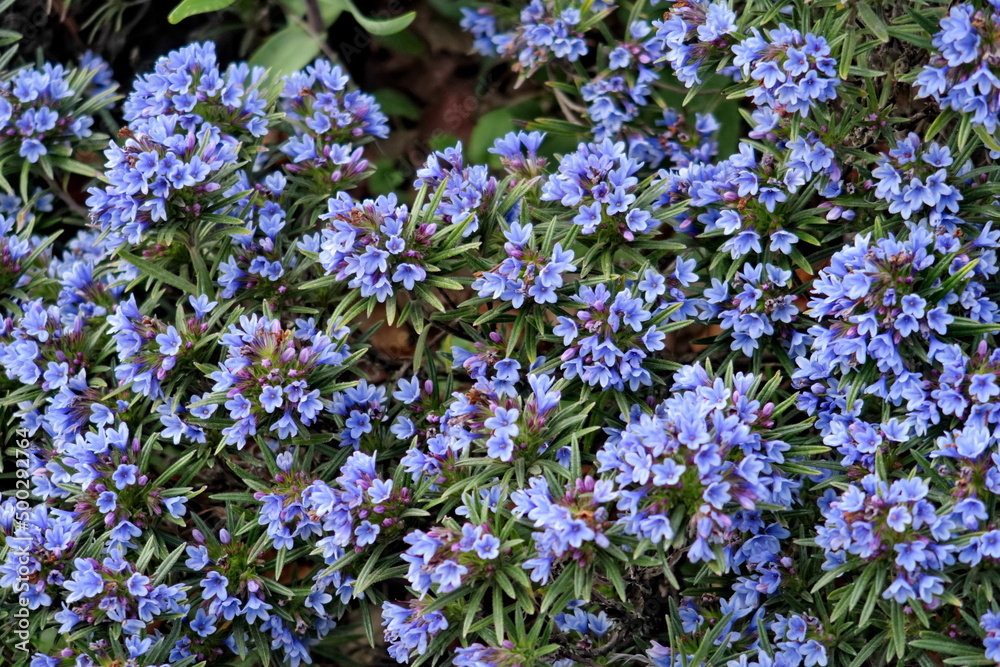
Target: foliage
[676,396]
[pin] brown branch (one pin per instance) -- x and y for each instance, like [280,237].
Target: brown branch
[314,17]
[69,201]
[318,34]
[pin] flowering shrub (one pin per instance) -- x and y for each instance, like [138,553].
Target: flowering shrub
[703,371]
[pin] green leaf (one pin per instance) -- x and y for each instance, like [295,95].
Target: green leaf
[831,575]
[192,7]
[366,620]
[489,128]
[555,126]
[709,640]
[847,53]
[287,50]
[872,21]
[377,27]
[8,37]
[395,103]
[473,607]
[175,468]
[963,326]
[498,611]
[898,629]
[943,119]
[158,273]
[865,653]
[925,22]
[932,641]
[987,138]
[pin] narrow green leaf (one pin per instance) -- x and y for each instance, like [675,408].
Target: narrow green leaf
[158,273]
[872,21]
[193,7]
[898,629]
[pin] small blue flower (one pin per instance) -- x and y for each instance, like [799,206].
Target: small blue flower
[125,475]
[214,586]
[270,397]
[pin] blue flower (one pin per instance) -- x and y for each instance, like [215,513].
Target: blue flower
[107,501]
[366,533]
[32,150]
[203,623]
[214,586]
[270,398]
[202,306]
[84,583]
[503,422]
[125,475]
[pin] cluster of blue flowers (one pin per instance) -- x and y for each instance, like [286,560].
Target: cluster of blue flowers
[260,262]
[445,559]
[14,249]
[608,340]
[990,622]
[698,452]
[745,199]
[546,30]
[900,184]
[599,181]
[762,303]
[614,400]
[478,654]
[148,350]
[162,173]
[794,72]
[690,32]
[189,83]
[874,295]
[617,100]
[469,191]
[359,509]
[799,638]
[326,117]
[227,595]
[265,378]
[39,111]
[583,622]
[572,526]
[526,272]
[371,247]
[962,73]
[409,628]
[677,143]
[876,520]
